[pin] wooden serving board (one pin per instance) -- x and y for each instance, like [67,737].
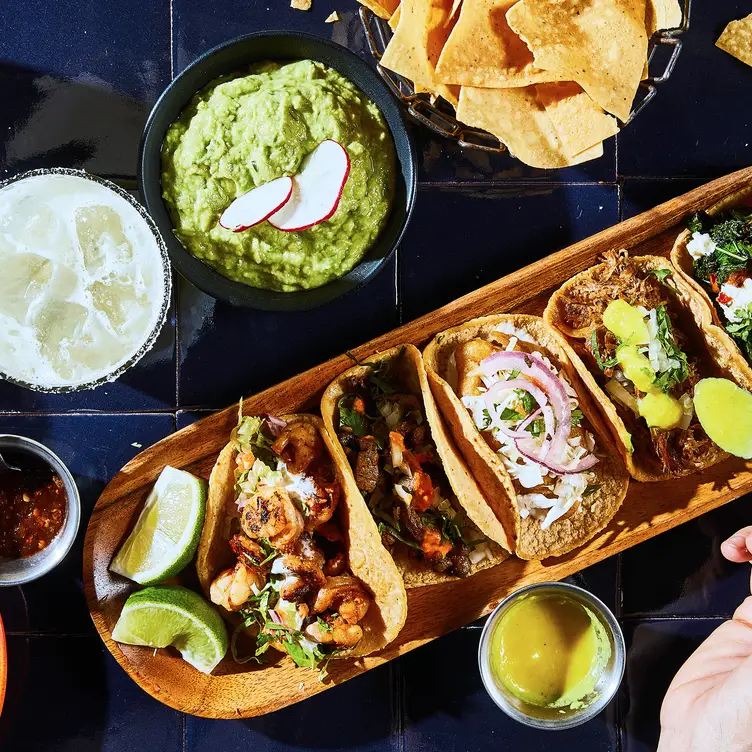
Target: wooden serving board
[242,691]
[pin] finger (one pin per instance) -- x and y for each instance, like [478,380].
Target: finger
[738,547]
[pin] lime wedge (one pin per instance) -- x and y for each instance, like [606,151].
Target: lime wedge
[165,615]
[167,531]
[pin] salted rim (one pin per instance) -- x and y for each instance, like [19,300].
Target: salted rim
[166,283]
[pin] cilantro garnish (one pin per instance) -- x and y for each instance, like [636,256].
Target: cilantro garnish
[677,374]
[590,490]
[602,364]
[350,417]
[577,416]
[741,330]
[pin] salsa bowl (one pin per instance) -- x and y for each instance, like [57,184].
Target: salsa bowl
[233,57]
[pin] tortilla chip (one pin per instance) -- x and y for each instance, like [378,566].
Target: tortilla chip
[414,50]
[483,51]
[519,120]
[394,20]
[453,13]
[662,14]
[333,17]
[382,8]
[579,122]
[368,560]
[600,45]
[411,378]
[530,540]
[642,466]
[301,4]
[737,39]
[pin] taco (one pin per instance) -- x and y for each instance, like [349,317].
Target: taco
[640,351]
[429,510]
[531,434]
[714,257]
[291,557]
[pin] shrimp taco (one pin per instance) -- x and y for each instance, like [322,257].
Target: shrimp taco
[714,257]
[429,510]
[529,431]
[291,557]
[640,351]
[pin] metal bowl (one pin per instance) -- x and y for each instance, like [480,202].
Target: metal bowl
[235,56]
[21,571]
[555,718]
[166,283]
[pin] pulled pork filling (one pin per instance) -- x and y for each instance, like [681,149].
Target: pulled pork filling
[677,449]
[396,466]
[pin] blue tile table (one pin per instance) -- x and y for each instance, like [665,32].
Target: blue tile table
[78,80]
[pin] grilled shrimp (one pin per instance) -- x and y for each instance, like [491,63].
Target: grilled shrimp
[336,565]
[345,595]
[244,461]
[321,507]
[305,547]
[271,514]
[233,587]
[299,445]
[336,632]
[303,578]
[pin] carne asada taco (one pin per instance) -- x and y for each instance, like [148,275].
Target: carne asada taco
[529,431]
[641,352]
[429,510]
[714,257]
[291,557]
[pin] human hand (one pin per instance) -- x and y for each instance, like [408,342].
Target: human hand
[708,707]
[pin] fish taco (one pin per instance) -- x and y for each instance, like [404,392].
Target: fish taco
[531,434]
[289,554]
[714,257]
[429,510]
[640,350]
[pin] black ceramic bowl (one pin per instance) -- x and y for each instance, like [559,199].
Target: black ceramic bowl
[235,56]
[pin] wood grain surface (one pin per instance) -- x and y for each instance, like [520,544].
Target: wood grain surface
[235,691]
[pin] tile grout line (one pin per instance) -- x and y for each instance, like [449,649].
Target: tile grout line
[172,43]
[397,703]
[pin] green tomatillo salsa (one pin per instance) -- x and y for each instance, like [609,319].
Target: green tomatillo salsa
[244,131]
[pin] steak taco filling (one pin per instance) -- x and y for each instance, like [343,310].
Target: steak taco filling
[394,459]
[529,414]
[291,584]
[633,333]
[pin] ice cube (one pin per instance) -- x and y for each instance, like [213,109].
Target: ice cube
[120,303]
[101,237]
[23,282]
[32,224]
[58,325]
[98,348]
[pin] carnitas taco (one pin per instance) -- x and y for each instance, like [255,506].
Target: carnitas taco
[714,257]
[290,556]
[641,352]
[429,510]
[530,433]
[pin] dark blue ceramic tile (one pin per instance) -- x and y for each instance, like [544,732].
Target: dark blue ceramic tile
[447,708]
[228,352]
[149,385]
[682,572]
[699,122]
[463,237]
[198,26]
[357,715]
[94,447]
[638,196]
[68,693]
[601,580]
[185,418]
[78,80]
[655,652]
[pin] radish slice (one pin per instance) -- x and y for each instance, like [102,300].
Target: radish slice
[257,205]
[317,188]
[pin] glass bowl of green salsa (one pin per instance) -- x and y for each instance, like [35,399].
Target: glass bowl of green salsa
[252,111]
[551,655]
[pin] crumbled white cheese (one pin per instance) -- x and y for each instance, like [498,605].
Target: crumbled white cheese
[511,330]
[700,245]
[741,299]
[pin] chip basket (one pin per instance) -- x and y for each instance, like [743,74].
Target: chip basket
[438,115]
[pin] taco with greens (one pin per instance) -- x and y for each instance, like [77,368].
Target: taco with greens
[529,431]
[290,556]
[429,510]
[640,350]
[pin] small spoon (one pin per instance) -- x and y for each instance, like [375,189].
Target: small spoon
[6,468]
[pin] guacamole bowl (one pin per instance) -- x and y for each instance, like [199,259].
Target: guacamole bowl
[219,70]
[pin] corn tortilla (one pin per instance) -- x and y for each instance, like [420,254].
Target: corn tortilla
[368,560]
[662,14]
[529,539]
[410,378]
[737,39]
[382,8]
[600,44]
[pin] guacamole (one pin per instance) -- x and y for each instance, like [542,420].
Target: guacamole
[243,131]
